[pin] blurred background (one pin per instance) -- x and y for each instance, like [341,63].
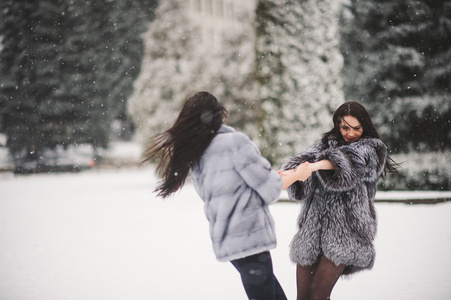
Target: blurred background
[78,77]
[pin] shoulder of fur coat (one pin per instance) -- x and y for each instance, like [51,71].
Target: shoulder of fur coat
[232,149]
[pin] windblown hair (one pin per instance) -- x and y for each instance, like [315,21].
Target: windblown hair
[359,112]
[183,144]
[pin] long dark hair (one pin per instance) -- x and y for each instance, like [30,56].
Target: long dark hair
[359,112]
[184,143]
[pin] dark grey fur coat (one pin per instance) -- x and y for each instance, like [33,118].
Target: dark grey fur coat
[337,217]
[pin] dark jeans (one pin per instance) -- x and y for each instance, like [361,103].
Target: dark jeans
[258,277]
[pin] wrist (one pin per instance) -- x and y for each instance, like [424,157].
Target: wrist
[314,166]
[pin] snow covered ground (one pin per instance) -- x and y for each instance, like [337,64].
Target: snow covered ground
[102,235]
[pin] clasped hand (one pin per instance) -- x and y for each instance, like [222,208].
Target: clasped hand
[302,172]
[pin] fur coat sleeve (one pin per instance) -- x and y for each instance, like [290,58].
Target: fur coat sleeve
[362,161]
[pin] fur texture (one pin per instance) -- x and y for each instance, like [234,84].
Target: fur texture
[237,184]
[338,217]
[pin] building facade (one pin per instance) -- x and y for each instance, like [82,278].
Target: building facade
[219,17]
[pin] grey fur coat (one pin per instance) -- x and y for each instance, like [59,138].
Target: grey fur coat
[338,217]
[237,184]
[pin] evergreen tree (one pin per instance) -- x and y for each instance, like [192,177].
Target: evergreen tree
[298,70]
[27,61]
[67,69]
[398,62]
[104,51]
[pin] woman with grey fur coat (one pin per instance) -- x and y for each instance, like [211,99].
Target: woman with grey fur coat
[337,223]
[236,184]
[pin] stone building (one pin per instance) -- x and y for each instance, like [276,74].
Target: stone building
[217,17]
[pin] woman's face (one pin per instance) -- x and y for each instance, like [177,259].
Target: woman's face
[350,129]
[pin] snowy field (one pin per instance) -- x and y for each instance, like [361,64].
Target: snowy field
[102,235]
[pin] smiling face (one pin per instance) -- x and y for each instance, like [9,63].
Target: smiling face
[350,129]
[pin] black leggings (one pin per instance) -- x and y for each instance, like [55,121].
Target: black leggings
[258,277]
[316,282]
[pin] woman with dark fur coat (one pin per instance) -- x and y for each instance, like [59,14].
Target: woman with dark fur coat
[337,223]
